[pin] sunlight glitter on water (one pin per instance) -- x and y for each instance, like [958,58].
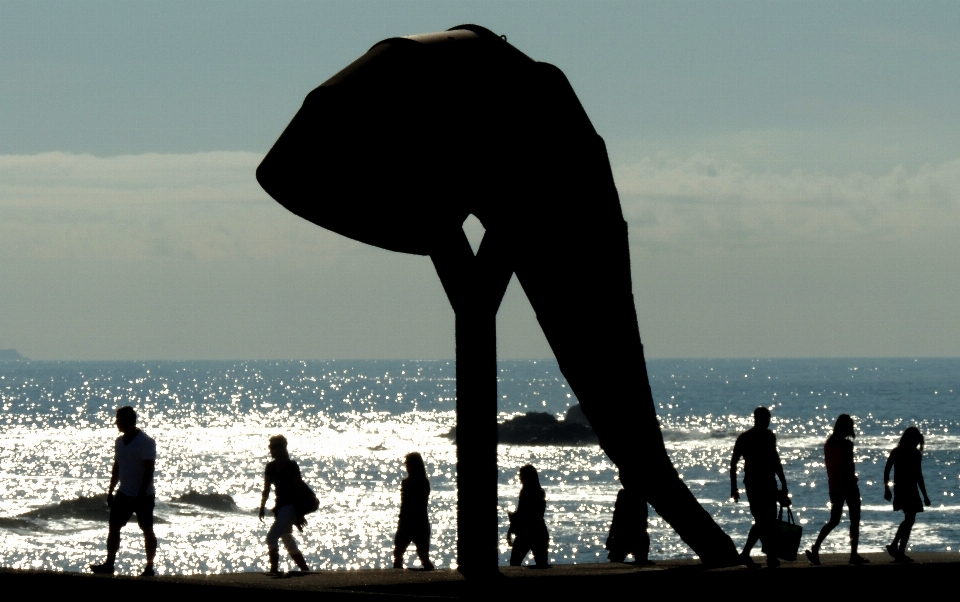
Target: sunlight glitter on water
[349,428]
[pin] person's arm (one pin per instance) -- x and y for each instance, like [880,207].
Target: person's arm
[853,478]
[264,495]
[778,469]
[783,481]
[114,479]
[734,492]
[149,467]
[923,488]
[887,494]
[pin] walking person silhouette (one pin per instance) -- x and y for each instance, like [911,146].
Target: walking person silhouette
[134,462]
[905,461]
[284,474]
[762,466]
[526,523]
[413,525]
[842,481]
[628,530]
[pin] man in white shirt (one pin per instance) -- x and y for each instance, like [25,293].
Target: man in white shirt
[134,461]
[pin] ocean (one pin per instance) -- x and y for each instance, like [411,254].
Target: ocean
[350,423]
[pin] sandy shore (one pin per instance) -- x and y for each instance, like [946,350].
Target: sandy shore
[931,574]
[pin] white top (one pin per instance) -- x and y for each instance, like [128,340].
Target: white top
[130,459]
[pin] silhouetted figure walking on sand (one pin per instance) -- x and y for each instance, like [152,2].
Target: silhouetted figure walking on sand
[413,526]
[762,468]
[628,529]
[284,474]
[842,481]
[907,479]
[526,523]
[134,461]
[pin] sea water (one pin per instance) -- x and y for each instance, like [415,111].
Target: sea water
[350,423]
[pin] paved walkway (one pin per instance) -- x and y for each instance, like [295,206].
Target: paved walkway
[932,575]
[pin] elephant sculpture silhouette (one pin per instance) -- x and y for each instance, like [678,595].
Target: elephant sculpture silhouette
[399,148]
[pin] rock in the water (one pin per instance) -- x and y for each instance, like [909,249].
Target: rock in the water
[575,415]
[541,428]
[211,501]
[93,508]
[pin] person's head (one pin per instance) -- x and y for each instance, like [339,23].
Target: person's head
[761,417]
[529,476]
[911,438]
[278,446]
[126,419]
[843,427]
[415,467]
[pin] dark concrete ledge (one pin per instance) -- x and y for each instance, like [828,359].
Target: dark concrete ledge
[931,574]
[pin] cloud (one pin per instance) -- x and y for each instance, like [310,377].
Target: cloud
[205,206]
[208,206]
[673,202]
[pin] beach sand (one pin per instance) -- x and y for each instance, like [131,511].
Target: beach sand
[932,575]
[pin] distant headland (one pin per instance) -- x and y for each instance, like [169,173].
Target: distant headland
[10,355]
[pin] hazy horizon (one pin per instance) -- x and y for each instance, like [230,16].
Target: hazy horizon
[790,174]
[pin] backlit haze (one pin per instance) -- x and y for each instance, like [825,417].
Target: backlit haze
[790,173]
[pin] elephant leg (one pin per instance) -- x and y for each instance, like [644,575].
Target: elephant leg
[577,279]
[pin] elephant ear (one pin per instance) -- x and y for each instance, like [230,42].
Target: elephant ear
[355,157]
[402,142]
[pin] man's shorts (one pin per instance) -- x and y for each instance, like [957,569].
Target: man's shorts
[850,495]
[763,503]
[124,506]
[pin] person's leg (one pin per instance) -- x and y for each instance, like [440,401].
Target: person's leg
[768,536]
[893,548]
[853,504]
[763,507]
[854,507]
[400,543]
[120,512]
[836,512]
[286,518]
[113,544]
[145,508]
[150,543]
[904,531]
[540,555]
[642,552]
[290,543]
[519,551]
[422,541]
[282,524]
[769,529]
[273,547]
[753,536]
[895,544]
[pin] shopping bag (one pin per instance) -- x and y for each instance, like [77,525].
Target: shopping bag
[788,536]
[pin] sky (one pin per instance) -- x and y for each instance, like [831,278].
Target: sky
[790,174]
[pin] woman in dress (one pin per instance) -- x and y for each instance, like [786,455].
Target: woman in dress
[413,526]
[842,482]
[907,487]
[284,474]
[526,523]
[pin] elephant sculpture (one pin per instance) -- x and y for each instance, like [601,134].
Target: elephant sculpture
[399,148]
